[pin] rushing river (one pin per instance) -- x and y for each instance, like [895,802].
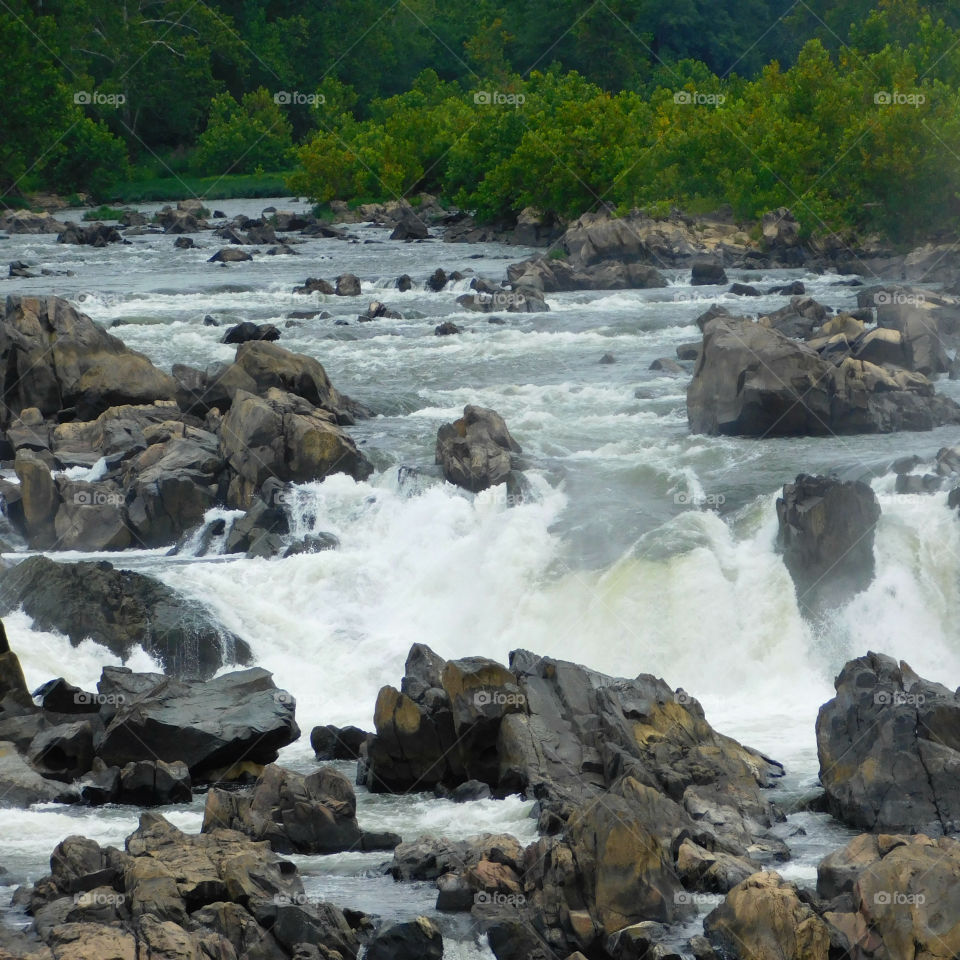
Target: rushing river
[641,548]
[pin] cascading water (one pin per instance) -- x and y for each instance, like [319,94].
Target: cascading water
[637,548]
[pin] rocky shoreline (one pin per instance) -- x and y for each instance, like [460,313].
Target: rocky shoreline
[644,812]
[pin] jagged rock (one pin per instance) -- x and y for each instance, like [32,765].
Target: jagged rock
[798,319]
[40,499]
[888,749]
[780,228]
[95,235]
[206,725]
[65,751]
[475,451]
[284,437]
[315,285]
[120,609]
[295,814]
[743,290]
[826,532]
[410,228]
[21,785]
[446,329]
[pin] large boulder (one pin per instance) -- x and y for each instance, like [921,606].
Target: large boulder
[120,609]
[417,939]
[21,785]
[751,380]
[39,499]
[826,532]
[475,451]
[889,748]
[72,363]
[765,918]
[209,726]
[295,813]
[284,437]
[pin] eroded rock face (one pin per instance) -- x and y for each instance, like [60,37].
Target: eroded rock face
[475,451]
[751,380]
[889,749]
[827,529]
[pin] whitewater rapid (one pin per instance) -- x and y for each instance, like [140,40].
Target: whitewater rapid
[638,548]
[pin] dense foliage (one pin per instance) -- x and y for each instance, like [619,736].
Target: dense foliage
[845,113]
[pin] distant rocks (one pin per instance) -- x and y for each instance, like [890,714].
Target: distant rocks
[447,328]
[25,221]
[476,451]
[752,380]
[549,275]
[96,235]
[826,532]
[230,255]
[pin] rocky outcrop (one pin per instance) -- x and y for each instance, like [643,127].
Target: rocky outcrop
[295,814]
[94,235]
[889,750]
[826,533]
[549,275]
[170,894]
[121,610]
[751,380]
[26,221]
[72,363]
[637,795]
[476,451]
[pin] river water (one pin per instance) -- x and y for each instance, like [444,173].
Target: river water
[641,548]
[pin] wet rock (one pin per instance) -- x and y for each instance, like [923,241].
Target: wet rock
[120,609]
[295,814]
[21,785]
[666,365]
[608,358]
[404,283]
[96,235]
[888,751]
[798,319]
[72,362]
[230,255]
[20,270]
[40,499]
[743,290]
[207,725]
[315,285]
[688,351]
[284,437]
[347,286]
[377,311]
[151,783]
[447,328]
[245,331]
[437,280]
[338,743]
[826,533]
[707,272]
[410,228]
[184,243]
[475,451]
[64,752]
[765,917]
[793,289]
[753,381]
[417,939]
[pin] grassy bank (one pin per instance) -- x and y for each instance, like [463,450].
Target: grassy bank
[160,189]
